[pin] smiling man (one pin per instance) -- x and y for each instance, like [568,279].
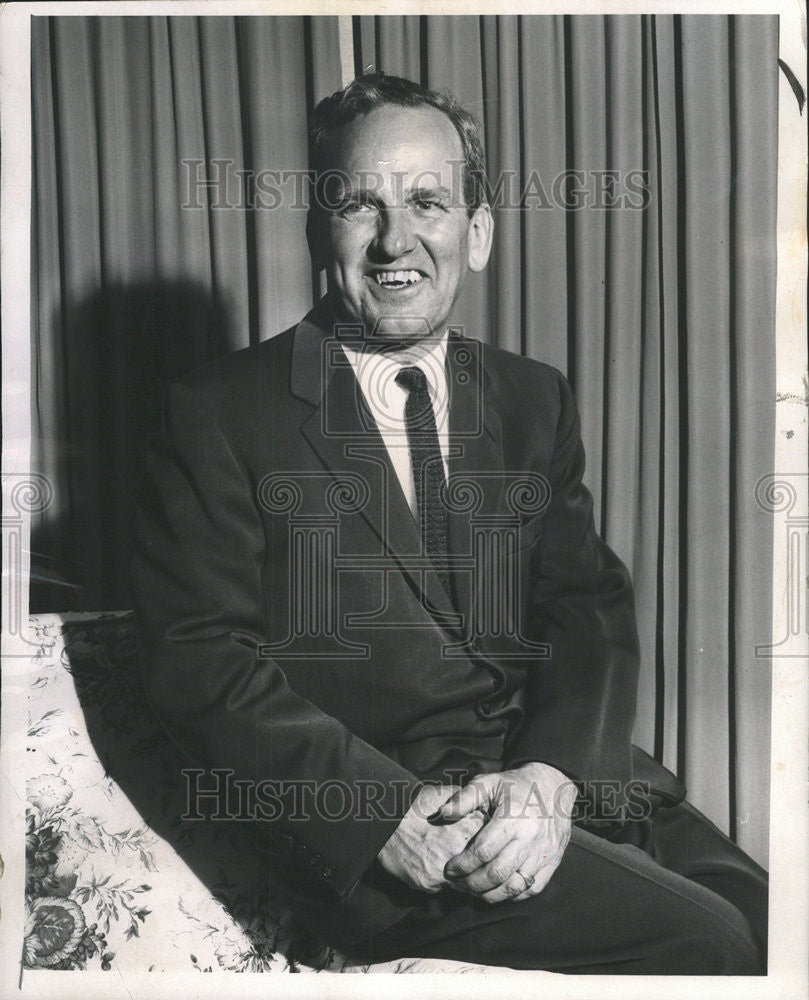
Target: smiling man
[370,588]
[396,235]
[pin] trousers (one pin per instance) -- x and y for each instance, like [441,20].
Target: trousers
[668,895]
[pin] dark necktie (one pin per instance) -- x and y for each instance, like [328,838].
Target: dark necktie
[428,469]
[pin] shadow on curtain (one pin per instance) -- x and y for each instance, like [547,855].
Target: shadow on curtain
[633,165]
[152,136]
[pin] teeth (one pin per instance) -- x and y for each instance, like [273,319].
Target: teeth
[397,278]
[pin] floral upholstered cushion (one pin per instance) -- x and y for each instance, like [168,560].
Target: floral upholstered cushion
[115,878]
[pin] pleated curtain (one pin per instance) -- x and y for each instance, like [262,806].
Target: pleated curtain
[656,297]
[147,258]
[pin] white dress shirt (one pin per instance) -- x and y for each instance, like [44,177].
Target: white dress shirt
[376,373]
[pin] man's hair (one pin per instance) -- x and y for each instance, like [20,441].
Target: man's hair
[372,90]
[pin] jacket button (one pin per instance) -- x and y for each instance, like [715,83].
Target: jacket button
[328,871]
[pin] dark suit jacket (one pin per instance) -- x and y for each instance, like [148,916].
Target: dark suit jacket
[291,630]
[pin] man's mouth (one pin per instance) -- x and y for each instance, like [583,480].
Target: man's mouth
[397,279]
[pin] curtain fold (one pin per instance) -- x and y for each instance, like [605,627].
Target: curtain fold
[633,166]
[154,139]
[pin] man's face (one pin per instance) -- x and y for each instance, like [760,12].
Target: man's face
[396,238]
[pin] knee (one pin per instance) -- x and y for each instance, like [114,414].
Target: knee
[713,948]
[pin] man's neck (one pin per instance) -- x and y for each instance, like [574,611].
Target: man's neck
[407,352]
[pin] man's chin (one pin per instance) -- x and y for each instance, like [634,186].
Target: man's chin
[391,330]
[399,330]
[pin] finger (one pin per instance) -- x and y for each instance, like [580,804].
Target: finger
[466,828]
[530,877]
[481,850]
[519,885]
[456,837]
[473,796]
[498,871]
[542,877]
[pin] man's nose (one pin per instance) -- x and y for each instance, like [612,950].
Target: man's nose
[396,235]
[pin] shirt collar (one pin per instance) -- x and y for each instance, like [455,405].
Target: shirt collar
[376,369]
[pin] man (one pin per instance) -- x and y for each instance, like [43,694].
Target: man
[367,572]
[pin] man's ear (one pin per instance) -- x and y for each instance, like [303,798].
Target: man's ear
[316,237]
[481,233]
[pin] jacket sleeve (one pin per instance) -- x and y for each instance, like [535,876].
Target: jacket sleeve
[197,575]
[580,702]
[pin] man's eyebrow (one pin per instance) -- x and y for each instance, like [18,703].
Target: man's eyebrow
[420,191]
[354,191]
[431,191]
[349,187]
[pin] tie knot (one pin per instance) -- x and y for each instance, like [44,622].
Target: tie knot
[413,379]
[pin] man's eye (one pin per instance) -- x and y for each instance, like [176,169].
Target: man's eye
[357,209]
[430,206]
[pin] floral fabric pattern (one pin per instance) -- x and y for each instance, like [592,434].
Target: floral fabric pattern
[115,877]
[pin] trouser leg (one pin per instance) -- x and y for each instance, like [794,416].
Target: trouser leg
[609,908]
[685,841]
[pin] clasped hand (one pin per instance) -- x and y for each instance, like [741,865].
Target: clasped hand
[501,837]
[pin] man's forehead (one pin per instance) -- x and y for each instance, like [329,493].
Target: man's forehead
[394,137]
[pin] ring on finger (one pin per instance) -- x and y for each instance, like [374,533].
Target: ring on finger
[528,879]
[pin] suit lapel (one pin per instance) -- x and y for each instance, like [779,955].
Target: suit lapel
[344,435]
[476,465]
